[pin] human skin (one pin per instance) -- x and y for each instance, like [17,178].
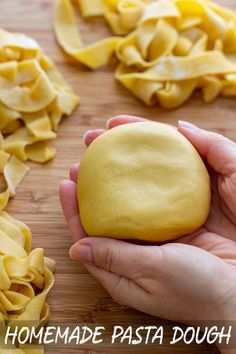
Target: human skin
[190,280]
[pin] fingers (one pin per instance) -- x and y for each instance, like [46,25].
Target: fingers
[123,119]
[74,172]
[217,150]
[118,266]
[115,256]
[122,290]
[68,197]
[91,135]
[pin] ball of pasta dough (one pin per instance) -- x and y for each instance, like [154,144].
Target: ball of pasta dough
[142,181]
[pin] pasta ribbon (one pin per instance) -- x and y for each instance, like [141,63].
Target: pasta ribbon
[26,277]
[70,40]
[166,49]
[33,99]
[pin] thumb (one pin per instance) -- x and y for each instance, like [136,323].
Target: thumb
[117,265]
[115,256]
[218,151]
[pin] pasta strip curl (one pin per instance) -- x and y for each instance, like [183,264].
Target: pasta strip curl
[166,49]
[33,99]
[26,277]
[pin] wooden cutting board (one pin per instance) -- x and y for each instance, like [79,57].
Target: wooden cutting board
[77,297]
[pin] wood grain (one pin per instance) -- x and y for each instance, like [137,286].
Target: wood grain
[76,296]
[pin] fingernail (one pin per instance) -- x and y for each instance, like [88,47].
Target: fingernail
[108,122]
[187,125]
[65,183]
[86,134]
[82,253]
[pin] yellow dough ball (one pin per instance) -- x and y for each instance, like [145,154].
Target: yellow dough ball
[142,181]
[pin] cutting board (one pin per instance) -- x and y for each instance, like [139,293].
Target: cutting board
[76,297]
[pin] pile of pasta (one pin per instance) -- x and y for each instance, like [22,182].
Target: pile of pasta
[25,279]
[33,99]
[166,48]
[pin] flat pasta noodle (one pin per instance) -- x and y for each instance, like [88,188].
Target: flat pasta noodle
[13,171]
[26,277]
[87,10]
[69,38]
[166,49]
[33,99]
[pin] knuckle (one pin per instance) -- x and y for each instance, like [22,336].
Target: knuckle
[116,292]
[107,258]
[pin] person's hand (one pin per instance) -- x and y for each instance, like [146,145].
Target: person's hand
[190,279]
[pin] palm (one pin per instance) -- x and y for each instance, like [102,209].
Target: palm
[219,231]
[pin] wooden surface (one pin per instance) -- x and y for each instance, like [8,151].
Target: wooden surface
[76,296]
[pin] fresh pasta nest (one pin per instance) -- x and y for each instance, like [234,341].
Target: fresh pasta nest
[33,99]
[166,48]
[142,181]
[26,277]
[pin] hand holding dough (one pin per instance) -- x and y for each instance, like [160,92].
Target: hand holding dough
[142,181]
